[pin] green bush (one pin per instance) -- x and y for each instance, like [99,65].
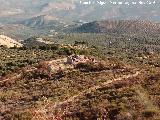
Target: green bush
[89,66]
[65,51]
[22,116]
[150,112]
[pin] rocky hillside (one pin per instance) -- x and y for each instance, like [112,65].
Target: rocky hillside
[9,42]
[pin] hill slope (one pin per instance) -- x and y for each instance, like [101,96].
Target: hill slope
[40,21]
[118,92]
[122,26]
[9,42]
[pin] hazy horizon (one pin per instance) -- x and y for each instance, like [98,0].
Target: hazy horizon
[86,10]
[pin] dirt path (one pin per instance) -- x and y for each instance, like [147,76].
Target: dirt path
[11,78]
[46,111]
[143,97]
[71,99]
[16,76]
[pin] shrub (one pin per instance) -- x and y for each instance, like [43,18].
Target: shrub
[89,66]
[65,51]
[150,112]
[38,74]
[22,116]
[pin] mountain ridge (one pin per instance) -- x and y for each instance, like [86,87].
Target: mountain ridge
[74,10]
[121,26]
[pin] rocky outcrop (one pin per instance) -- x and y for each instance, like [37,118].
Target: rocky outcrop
[9,42]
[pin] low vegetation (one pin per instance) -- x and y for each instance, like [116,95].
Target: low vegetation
[87,92]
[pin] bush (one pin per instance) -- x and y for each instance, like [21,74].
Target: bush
[22,116]
[89,66]
[150,112]
[65,51]
[37,74]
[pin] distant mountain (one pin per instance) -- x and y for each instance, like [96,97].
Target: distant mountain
[34,26]
[9,42]
[37,17]
[121,26]
[40,21]
[69,10]
[19,31]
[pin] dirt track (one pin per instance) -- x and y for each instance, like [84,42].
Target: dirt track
[95,88]
[45,110]
[16,76]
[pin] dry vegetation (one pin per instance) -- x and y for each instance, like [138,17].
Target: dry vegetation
[111,89]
